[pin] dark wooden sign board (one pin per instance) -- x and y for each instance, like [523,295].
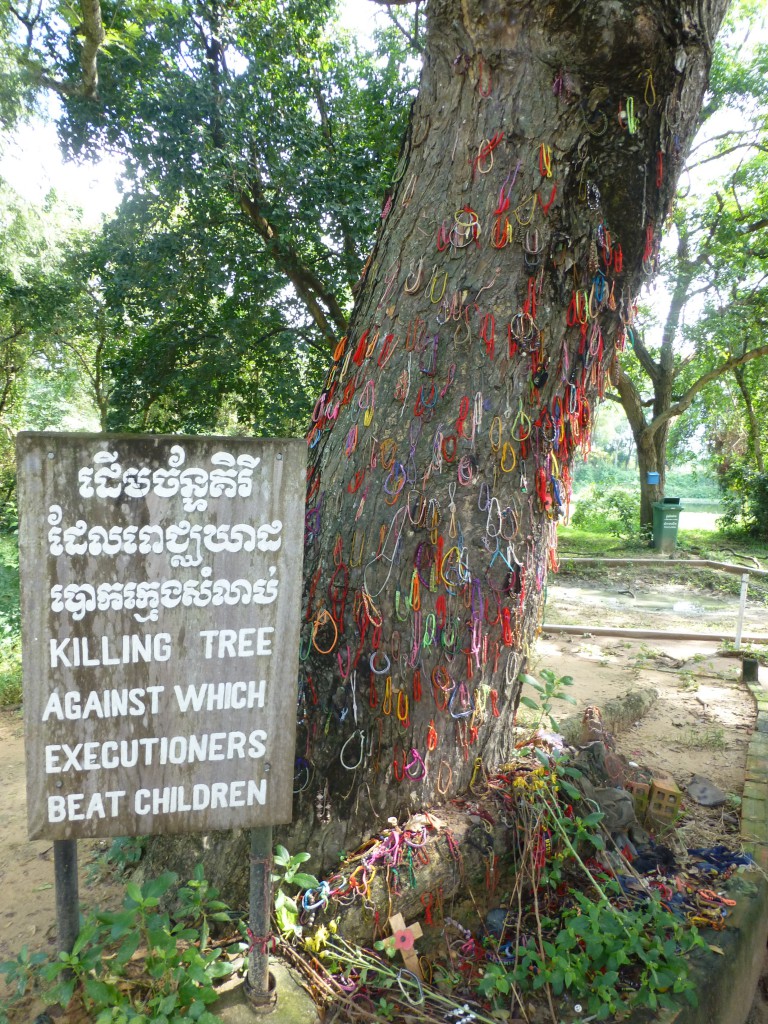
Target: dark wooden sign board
[161,583]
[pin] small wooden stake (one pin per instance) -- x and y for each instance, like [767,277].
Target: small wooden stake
[405,937]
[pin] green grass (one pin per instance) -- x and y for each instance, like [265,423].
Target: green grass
[710,544]
[10,623]
[575,541]
[711,738]
[699,543]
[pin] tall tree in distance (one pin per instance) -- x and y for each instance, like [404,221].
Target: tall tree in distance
[719,263]
[540,163]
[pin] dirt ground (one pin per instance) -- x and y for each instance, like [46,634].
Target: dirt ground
[700,723]
[27,908]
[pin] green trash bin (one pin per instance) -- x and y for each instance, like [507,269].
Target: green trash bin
[666,518]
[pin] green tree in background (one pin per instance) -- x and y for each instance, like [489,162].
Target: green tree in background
[38,386]
[257,146]
[713,335]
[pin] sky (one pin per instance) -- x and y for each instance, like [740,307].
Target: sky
[32,164]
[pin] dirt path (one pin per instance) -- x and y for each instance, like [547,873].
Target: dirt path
[701,721]
[26,869]
[670,598]
[27,905]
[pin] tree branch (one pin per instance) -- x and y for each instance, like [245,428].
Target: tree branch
[410,39]
[727,152]
[756,225]
[94,36]
[719,138]
[679,407]
[645,358]
[630,399]
[308,285]
[91,30]
[752,420]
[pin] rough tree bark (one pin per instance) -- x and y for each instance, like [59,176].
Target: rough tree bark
[541,160]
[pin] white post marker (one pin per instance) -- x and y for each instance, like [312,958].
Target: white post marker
[742,609]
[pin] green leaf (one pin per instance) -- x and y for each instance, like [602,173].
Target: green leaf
[127,948]
[569,790]
[133,892]
[529,702]
[64,991]
[156,887]
[86,935]
[168,1004]
[593,819]
[98,992]
[305,881]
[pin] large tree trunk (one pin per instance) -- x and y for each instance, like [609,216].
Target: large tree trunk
[528,211]
[526,216]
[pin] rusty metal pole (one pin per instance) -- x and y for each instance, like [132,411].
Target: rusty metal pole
[67,893]
[259,985]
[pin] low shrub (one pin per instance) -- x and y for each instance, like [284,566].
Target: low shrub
[615,511]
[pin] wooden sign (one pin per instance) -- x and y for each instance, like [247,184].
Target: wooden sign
[161,582]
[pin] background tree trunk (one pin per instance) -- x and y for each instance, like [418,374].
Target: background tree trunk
[753,424]
[541,160]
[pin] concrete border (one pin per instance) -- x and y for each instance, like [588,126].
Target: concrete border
[726,983]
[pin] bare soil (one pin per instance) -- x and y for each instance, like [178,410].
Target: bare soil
[700,724]
[27,902]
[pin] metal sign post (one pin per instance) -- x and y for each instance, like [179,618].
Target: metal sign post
[67,893]
[259,986]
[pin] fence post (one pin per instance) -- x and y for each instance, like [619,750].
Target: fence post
[742,609]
